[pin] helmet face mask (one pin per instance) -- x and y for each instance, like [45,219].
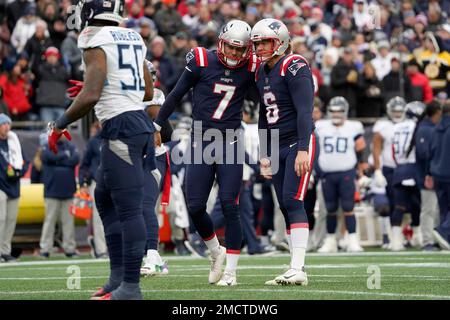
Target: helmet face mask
[337,110]
[395,109]
[414,110]
[274,30]
[234,46]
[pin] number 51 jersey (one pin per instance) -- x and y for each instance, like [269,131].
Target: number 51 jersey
[124,88]
[337,145]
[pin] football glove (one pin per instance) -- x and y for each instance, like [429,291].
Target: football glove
[380,180]
[54,135]
[75,90]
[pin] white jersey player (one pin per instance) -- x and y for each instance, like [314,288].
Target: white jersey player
[384,164]
[115,83]
[340,141]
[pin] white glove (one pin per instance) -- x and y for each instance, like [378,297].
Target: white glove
[380,180]
[364,182]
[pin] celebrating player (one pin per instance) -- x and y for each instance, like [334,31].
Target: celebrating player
[286,88]
[116,83]
[220,80]
[340,141]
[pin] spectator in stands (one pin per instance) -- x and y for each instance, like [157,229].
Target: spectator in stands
[180,47]
[147,30]
[168,20]
[420,85]
[59,187]
[370,100]
[190,19]
[167,72]
[391,84]
[25,28]
[51,92]
[440,175]
[88,169]
[16,91]
[14,11]
[36,46]
[382,62]
[56,26]
[72,55]
[3,106]
[12,168]
[344,79]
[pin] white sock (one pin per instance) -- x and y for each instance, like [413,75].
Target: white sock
[264,240]
[299,239]
[153,257]
[385,224]
[232,262]
[288,238]
[213,245]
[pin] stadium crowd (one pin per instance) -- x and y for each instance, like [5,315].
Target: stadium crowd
[367,54]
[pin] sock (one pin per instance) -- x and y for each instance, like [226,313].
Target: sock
[299,239]
[213,245]
[350,223]
[331,223]
[114,242]
[288,238]
[264,241]
[232,260]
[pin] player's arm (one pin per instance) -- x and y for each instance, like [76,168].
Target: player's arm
[301,89]
[377,148]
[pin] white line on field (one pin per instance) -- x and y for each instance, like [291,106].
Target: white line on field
[220,290]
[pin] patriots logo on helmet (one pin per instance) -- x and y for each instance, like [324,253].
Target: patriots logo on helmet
[295,67]
[275,26]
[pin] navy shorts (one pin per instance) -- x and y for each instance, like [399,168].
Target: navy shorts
[339,187]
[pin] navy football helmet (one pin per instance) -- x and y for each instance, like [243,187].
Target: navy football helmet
[108,10]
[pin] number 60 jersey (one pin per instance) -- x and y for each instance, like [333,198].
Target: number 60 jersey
[337,144]
[125,51]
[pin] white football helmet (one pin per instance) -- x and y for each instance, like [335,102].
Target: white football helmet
[152,70]
[235,33]
[274,30]
[414,110]
[395,109]
[337,110]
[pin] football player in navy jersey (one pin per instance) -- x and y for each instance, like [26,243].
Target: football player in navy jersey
[285,84]
[115,84]
[220,80]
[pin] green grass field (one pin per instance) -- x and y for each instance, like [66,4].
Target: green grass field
[406,275]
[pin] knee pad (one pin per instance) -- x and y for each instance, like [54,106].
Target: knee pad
[230,210]
[348,205]
[295,211]
[332,207]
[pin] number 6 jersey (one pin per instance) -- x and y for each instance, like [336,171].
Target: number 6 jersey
[337,145]
[125,51]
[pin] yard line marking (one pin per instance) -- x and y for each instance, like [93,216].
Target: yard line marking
[273,290]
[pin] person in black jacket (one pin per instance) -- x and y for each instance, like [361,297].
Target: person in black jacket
[344,80]
[59,187]
[51,93]
[12,168]
[370,100]
[391,83]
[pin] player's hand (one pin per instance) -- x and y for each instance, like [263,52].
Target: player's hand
[75,89]
[352,77]
[380,180]
[157,137]
[54,134]
[429,182]
[301,166]
[266,170]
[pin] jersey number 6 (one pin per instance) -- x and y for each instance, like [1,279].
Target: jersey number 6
[271,107]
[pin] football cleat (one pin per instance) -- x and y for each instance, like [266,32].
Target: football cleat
[99,294]
[329,245]
[353,243]
[397,240]
[215,272]
[228,279]
[293,276]
[106,296]
[272,282]
[416,239]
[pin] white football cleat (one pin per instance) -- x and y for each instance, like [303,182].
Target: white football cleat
[293,276]
[228,279]
[353,243]
[215,271]
[416,240]
[272,282]
[329,245]
[396,243]
[151,269]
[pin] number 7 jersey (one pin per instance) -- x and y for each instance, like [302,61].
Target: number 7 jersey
[125,51]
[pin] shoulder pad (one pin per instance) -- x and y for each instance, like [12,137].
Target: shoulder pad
[201,57]
[293,63]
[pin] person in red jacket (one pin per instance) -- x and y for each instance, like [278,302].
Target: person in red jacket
[16,93]
[421,89]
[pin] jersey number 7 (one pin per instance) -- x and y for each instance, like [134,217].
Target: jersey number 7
[225,102]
